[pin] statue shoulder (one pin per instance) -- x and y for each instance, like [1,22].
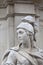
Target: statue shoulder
[7,52]
[41,52]
[16,48]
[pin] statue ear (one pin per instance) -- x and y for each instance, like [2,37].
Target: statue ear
[27,33]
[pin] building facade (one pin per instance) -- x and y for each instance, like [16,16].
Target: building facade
[11,13]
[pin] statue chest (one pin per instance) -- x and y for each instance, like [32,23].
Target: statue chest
[21,60]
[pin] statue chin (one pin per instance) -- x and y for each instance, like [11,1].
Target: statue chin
[21,41]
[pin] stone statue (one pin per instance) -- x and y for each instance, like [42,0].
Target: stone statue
[25,53]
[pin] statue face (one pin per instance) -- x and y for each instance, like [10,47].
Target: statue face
[22,36]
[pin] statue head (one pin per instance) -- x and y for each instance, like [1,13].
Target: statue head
[30,19]
[25,31]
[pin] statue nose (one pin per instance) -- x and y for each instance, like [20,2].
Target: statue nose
[19,36]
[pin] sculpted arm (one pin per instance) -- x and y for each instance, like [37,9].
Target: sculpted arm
[11,59]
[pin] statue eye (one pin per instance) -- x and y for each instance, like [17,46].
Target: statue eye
[20,32]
